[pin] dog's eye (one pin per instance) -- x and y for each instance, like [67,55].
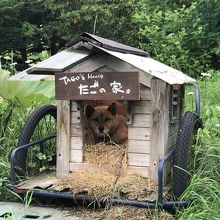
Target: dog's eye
[107,119]
[95,119]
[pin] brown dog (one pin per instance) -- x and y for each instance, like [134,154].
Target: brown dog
[106,125]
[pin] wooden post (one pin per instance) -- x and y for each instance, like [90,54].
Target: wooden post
[160,124]
[63,137]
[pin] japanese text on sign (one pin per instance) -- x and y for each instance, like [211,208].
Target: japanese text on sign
[86,85]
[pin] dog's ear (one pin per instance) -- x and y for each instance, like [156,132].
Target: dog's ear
[112,108]
[89,111]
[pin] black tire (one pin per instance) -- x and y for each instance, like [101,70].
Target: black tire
[188,128]
[27,133]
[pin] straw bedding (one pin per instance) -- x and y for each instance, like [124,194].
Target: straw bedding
[105,175]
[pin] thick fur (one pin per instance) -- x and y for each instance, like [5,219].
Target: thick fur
[106,125]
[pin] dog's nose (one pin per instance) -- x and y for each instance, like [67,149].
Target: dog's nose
[101,129]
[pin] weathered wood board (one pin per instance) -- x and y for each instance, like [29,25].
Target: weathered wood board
[138,146]
[76,156]
[137,133]
[63,137]
[160,124]
[141,160]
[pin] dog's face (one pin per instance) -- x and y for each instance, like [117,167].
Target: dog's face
[101,119]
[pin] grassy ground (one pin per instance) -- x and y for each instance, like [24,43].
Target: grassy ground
[204,190]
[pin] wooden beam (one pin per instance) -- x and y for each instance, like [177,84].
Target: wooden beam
[160,124]
[63,137]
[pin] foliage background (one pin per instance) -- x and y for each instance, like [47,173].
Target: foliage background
[184,34]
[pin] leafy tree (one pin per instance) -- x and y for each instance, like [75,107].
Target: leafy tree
[178,35]
[182,33]
[21,27]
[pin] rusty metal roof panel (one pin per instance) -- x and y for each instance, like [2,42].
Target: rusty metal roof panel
[60,61]
[152,67]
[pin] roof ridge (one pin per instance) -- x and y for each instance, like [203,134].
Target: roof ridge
[107,44]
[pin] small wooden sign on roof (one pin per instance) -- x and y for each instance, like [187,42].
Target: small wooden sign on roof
[97,86]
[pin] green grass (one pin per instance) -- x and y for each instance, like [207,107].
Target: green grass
[8,139]
[204,189]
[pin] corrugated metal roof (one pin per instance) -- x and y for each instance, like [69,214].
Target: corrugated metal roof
[153,67]
[60,61]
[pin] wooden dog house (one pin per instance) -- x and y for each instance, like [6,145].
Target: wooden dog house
[94,68]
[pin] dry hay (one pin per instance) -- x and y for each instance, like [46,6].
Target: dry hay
[108,158]
[134,187]
[104,175]
[96,184]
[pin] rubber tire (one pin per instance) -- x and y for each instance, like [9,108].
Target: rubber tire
[28,131]
[189,126]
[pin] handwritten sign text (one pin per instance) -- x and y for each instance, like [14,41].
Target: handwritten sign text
[97,86]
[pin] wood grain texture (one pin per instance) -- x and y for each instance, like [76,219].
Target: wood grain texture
[141,107]
[137,133]
[76,156]
[138,146]
[145,93]
[160,124]
[173,127]
[171,140]
[76,143]
[141,120]
[63,137]
[135,159]
[75,106]
[76,130]
[75,118]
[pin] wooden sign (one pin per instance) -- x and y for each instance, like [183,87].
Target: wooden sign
[97,86]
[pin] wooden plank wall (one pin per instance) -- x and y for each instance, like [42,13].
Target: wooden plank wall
[139,133]
[76,131]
